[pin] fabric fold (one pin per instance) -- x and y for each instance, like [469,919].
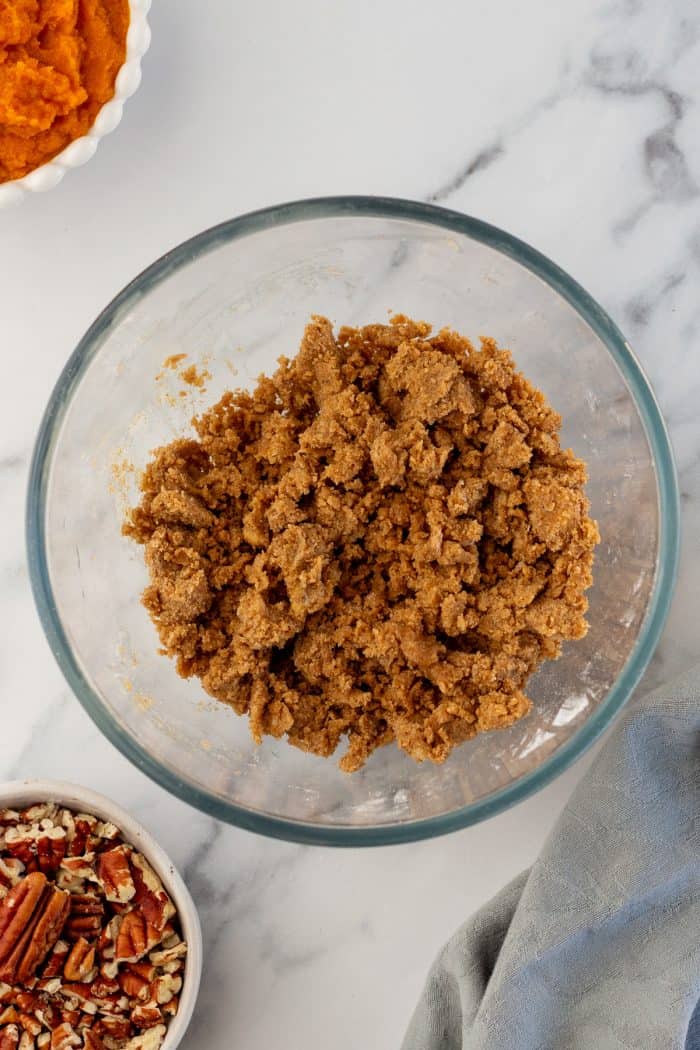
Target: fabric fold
[597,947]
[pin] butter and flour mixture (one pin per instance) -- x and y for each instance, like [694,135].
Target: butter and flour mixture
[380,543]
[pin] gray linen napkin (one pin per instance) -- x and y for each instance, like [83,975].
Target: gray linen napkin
[597,947]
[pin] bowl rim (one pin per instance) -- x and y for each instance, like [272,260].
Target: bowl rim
[14,793]
[652,420]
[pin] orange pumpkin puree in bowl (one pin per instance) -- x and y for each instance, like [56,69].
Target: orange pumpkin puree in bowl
[59,60]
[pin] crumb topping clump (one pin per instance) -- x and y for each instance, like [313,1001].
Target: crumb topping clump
[381,542]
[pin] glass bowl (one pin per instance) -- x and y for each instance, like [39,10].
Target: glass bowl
[234,299]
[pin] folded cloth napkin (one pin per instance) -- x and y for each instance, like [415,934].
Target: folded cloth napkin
[597,947]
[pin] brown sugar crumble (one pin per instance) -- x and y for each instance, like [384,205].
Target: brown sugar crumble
[380,543]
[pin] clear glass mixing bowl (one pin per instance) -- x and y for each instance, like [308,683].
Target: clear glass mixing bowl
[233,299]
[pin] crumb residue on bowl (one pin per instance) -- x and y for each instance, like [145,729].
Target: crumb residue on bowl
[192,377]
[190,374]
[173,360]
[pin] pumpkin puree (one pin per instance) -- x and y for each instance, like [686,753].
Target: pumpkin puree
[58,63]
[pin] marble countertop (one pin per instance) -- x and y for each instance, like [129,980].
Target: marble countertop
[575,126]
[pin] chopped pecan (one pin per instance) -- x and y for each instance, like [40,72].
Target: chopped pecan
[136,936]
[86,915]
[56,960]
[170,938]
[64,1037]
[108,938]
[69,883]
[109,970]
[144,969]
[6,992]
[76,993]
[29,1023]
[107,832]
[38,812]
[20,844]
[26,1041]
[146,1015]
[150,1039]
[168,955]
[26,1001]
[150,897]
[79,828]
[115,1026]
[51,849]
[49,1015]
[102,987]
[81,961]
[9,1015]
[91,1041]
[9,1037]
[171,1007]
[9,817]
[133,985]
[11,871]
[165,987]
[80,867]
[49,985]
[71,1016]
[114,875]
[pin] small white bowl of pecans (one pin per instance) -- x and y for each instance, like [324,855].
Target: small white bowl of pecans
[100,942]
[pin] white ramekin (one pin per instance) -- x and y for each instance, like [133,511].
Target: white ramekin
[81,150]
[20,793]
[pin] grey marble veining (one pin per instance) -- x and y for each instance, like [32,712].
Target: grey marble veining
[577,128]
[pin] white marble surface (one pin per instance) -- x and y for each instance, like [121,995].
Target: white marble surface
[575,126]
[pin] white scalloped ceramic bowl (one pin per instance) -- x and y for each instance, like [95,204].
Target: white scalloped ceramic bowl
[81,150]
[18,794]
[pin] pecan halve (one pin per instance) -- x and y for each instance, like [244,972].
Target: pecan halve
[31,919]
[17,909]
